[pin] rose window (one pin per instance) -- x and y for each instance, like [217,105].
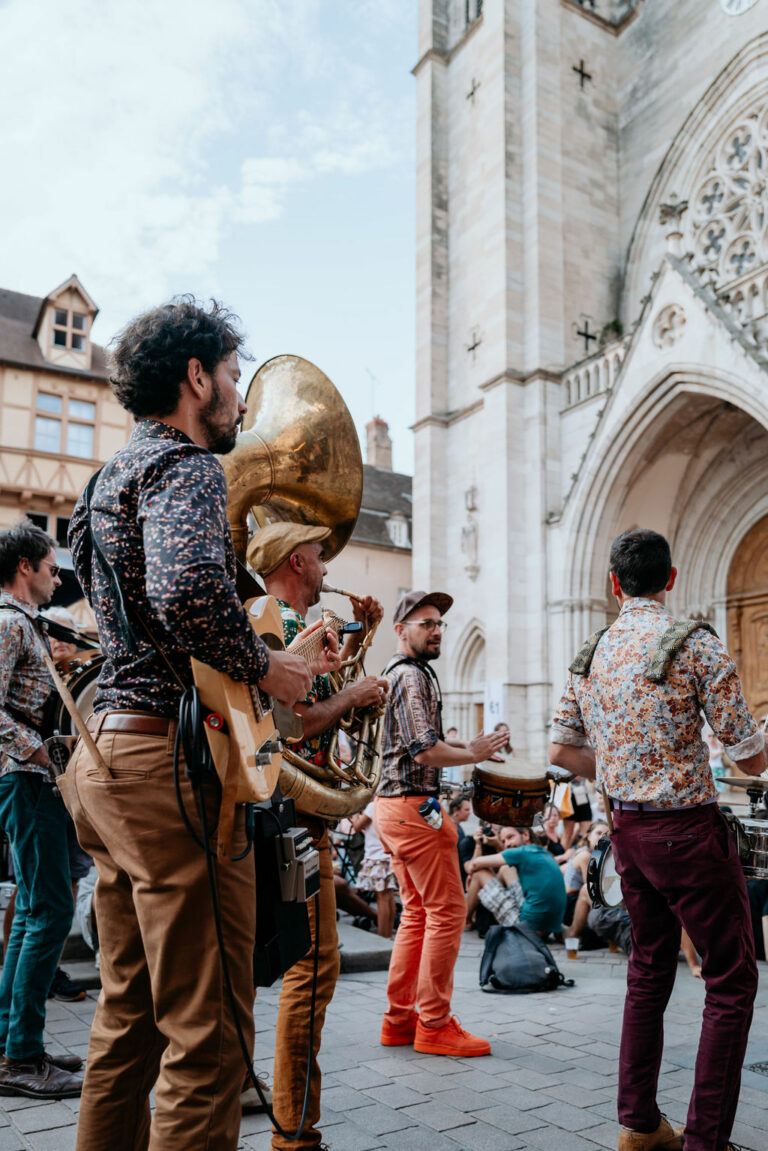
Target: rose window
[728,220]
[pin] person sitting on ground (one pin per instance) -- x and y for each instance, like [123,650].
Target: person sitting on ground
[575,875]
[376,875]
[539,877]
[552,839]
[484,842]
[459,810]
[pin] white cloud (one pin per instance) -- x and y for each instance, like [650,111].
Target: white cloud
[136,136]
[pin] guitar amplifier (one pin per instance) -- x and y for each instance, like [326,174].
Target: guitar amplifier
[287,874]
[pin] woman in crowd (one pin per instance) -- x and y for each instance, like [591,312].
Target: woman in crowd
[376,874]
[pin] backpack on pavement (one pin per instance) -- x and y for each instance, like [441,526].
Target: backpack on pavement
[516,962]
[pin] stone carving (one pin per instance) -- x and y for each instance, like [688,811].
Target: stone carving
[668,326]
[469,548]
[727,224]
[672,212]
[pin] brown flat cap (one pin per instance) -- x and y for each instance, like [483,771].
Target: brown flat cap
[273,544]
[414,599]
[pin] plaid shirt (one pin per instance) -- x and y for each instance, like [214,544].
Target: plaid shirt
[411,725]
[24,685]
[159,511]
[647,736]
[316,747]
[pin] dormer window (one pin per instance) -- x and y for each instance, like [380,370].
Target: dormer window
[397,527]
[70,330]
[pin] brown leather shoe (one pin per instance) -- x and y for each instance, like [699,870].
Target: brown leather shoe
[65,1062]
[664,1138]
[37,1079]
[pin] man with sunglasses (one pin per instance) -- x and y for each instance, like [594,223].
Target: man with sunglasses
[424,857]
[34,818]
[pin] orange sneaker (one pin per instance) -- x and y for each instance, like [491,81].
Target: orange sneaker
[401,1036]
[448,1040]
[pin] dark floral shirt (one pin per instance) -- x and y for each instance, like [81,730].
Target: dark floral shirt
[159,512]
[24,685]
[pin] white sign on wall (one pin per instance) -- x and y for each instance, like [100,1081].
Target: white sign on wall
[493,703]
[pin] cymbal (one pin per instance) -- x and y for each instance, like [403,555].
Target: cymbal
[759,783]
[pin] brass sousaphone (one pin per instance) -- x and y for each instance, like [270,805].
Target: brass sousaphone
[298,459]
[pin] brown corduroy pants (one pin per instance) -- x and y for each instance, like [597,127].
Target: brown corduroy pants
[163,1018]
[292,1034]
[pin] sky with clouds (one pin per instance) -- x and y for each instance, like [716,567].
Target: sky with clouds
[259,151]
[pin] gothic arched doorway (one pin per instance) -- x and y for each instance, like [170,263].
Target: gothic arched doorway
[748,615]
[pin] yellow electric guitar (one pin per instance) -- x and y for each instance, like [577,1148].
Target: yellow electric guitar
[244,726]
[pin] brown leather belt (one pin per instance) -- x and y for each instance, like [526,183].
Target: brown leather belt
[144,723]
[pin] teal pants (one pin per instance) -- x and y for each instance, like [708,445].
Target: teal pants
[33,816]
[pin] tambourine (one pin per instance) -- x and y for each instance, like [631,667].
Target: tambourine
[603,880]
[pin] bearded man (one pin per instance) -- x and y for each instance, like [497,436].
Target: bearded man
[152,549]
[424,857]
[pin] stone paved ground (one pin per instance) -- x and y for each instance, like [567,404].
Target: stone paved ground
[550,1082]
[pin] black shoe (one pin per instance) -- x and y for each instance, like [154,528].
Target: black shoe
[37,1078]
[64,989]
[363,922]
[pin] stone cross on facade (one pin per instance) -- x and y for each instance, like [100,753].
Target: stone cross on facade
[586,335]
[581,73]
[476,342]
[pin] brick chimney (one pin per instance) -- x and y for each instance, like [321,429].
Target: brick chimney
[379,447]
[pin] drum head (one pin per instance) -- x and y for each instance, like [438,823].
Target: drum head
[82,682]
[603,880]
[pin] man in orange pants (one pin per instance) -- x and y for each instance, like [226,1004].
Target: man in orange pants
[424,856]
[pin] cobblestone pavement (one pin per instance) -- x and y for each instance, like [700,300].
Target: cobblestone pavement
[550,1082]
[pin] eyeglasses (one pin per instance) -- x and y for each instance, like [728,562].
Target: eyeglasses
[55,569]
[429,625]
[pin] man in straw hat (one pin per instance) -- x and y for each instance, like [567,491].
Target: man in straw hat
[424,856]
[290,560]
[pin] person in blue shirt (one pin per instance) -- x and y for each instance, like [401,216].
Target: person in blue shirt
[538,874]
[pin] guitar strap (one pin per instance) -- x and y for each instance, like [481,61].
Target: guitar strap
[129,635]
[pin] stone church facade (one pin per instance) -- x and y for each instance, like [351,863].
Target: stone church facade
[592,328]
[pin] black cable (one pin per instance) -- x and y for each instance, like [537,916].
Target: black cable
[195,744]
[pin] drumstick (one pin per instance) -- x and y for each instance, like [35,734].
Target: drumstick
[607,806]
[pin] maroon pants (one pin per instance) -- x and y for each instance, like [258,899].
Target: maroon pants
[675,868]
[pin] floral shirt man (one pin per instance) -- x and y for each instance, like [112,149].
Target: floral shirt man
[25,685]
[315,748]
[647,736]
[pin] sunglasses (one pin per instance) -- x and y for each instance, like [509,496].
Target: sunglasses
[55,569]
